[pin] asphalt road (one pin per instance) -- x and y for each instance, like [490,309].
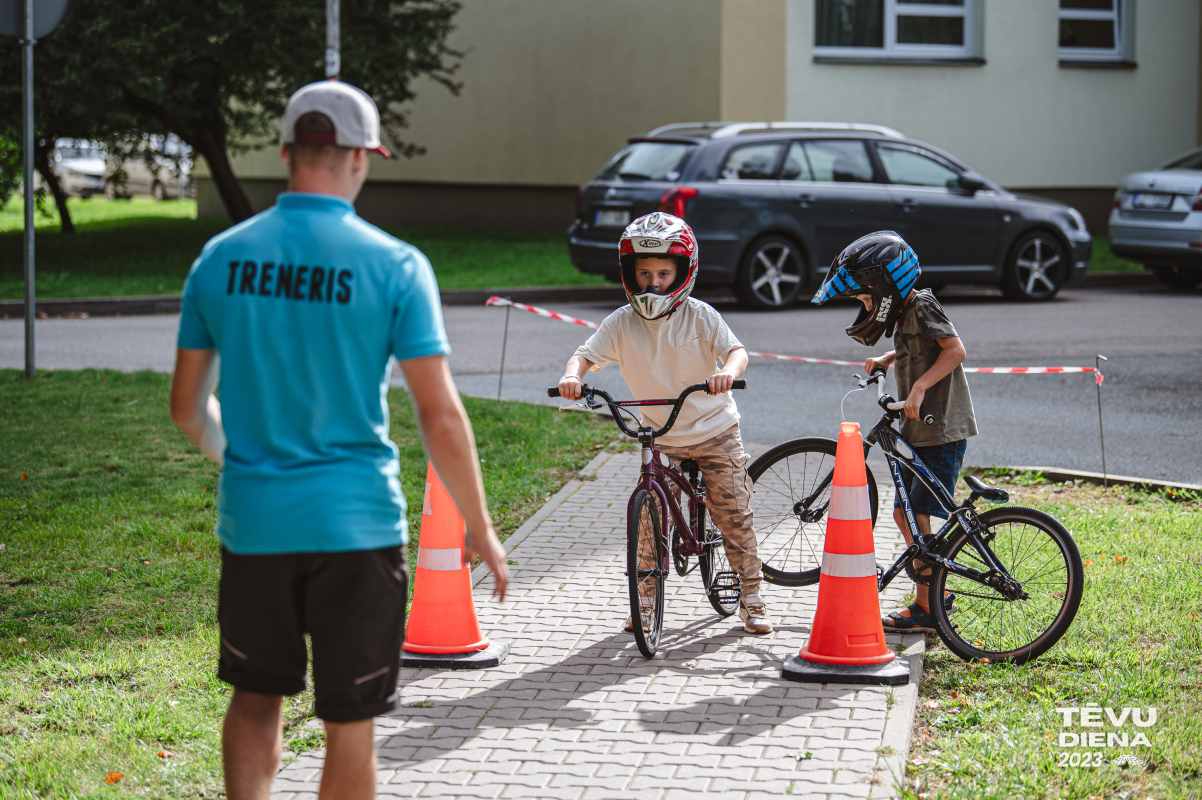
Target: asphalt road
[1152,396]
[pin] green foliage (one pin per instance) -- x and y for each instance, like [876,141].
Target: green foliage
[109,570]
[139,247]
[1105,262]
[10,166]
[991,731]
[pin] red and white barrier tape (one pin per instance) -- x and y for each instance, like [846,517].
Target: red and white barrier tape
[542,312]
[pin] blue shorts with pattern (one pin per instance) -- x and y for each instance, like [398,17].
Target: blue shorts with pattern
[944,462]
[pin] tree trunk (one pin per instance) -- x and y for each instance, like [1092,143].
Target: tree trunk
[41,160]
[211,145]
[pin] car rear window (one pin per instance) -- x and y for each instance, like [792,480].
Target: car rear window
[647,161]
[829,160]
[752,162]
[1191,160]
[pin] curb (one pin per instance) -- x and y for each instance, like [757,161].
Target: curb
[890,770]
[536,519]
[1059,475]
[169,303]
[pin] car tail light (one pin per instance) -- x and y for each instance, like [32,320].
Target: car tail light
[1197,206]
[675,201]
[1117,203]
[579,200]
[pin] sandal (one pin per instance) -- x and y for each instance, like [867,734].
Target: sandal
[918,621]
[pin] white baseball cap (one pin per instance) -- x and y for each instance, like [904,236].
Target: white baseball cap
[354,114]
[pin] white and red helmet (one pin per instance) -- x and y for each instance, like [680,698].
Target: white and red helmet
[664,236]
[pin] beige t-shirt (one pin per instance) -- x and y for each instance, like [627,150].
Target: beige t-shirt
[659,358]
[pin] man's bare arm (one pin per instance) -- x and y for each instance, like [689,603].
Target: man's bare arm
[732,368]
[447,433]
[569,384]
[194,409]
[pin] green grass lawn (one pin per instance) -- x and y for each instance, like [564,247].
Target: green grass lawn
[140,247]
[992,731]
[109,567]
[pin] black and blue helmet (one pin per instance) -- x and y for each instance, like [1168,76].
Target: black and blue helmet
[882,265]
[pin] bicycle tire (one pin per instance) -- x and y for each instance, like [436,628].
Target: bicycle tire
[1038,552]
[791,550]
[646,585]
[722,585]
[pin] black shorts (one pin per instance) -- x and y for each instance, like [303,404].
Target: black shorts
[352,605]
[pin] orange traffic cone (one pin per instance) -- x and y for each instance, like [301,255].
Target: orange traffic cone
[847,641]
[442,631]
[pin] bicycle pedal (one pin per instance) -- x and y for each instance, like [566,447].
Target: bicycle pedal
[727,583]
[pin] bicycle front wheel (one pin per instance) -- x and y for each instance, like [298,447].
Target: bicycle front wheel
[645,551]
[790,533]
[1038,553]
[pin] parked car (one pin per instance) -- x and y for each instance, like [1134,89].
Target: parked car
[79,166]
[1157,220]
[772,204]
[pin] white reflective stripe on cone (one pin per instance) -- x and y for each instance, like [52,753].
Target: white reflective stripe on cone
[849,503]
[839,565]
[446,559]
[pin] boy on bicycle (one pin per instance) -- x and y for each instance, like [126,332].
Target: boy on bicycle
[880,271]
[665,341]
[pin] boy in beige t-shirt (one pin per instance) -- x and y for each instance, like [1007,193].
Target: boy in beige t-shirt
[663,342]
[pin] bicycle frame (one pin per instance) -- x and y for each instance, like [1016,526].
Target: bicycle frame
[654,477]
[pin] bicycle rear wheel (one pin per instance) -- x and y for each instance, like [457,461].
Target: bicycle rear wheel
[790,536]
[722,585]
[645,552]
[1038,553]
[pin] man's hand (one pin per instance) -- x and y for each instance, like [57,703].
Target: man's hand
[720,382]
[914,402]
[492,553]
[570,387]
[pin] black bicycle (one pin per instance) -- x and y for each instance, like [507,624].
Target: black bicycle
[1015,572]
[653,510]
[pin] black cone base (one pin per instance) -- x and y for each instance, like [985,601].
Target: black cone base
[891,673]
[491,656]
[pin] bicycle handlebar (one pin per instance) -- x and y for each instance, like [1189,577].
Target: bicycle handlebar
[885,401]
[588,394]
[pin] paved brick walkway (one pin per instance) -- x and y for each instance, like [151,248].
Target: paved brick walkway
[577,712]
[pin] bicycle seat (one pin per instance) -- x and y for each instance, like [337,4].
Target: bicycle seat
[982,489]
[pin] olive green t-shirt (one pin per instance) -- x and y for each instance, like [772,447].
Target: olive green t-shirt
[922,322]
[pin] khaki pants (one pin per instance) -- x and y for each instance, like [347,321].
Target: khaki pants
[728,498]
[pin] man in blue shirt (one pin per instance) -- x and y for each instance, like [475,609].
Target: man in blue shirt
[301,311]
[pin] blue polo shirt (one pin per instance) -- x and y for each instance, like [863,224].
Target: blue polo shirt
[307,306]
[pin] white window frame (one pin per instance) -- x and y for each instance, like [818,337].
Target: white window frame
[893,50]
[1119,15]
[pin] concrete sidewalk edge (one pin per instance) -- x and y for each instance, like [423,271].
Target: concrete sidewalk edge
[1061,475]
[890,770]
[169,304]
[548,508]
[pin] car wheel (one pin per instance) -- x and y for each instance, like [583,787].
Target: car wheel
[1035,269]
[156,191]
[771,274]
[1175,277]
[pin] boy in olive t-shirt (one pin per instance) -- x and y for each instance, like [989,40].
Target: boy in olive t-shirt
[930,376]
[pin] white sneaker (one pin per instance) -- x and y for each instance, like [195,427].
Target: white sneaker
[754,614]
[645,616]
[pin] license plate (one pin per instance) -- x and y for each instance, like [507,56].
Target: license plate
[612,219]
[1157,201]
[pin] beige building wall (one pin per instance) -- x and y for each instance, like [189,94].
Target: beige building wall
[1020,118]
[754,47]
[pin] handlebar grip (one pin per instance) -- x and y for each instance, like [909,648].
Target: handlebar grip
[739,384]
[553,392]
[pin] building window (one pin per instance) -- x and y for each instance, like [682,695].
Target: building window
[895,29]
[1093,30]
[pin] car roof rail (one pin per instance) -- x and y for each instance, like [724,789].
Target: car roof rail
[733,129]
[680,126]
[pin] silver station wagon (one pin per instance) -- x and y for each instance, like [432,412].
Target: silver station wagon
[1157,220]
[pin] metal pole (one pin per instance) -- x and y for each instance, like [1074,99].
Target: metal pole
[333,53]
[504,344]
[27,158]
[1101,433]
